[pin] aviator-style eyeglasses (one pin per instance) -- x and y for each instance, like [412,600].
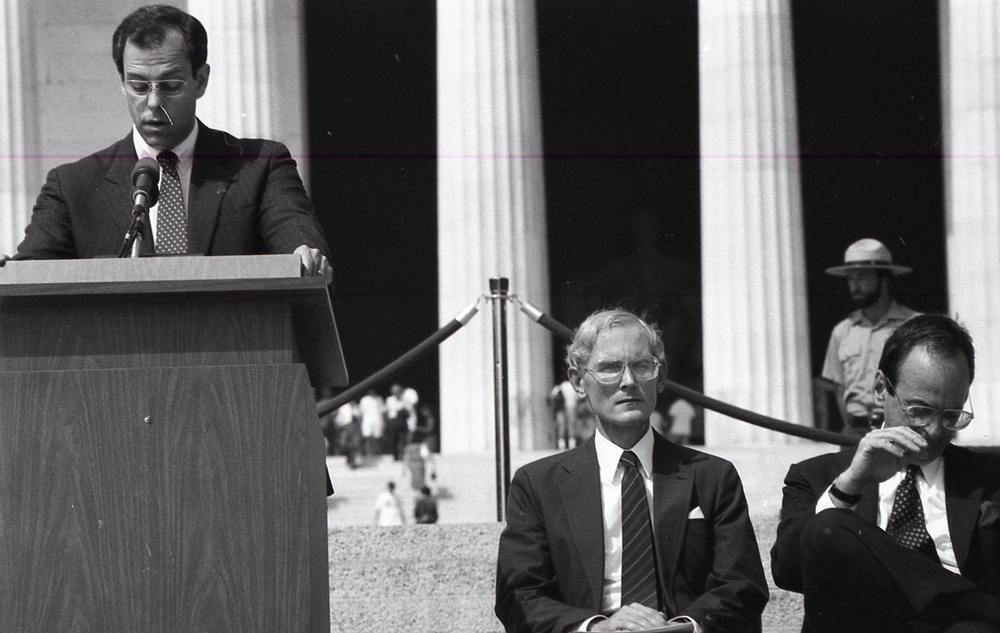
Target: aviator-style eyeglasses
[918,415]
[142,88]
[610,371]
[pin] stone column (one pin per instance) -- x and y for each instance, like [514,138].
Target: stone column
[491,216]
[16,123]
[753,263]
[970,51]
[256,50]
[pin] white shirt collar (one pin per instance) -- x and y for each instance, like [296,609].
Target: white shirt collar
[184,149]
[609,454]
[932,470]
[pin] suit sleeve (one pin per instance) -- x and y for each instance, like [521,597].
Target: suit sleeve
[735,589]
[527,594]
[287,219]
[50,234]
[798,505]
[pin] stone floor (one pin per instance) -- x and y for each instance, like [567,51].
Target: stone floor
[440,577]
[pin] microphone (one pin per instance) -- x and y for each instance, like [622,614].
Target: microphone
[145,176]
[145,191]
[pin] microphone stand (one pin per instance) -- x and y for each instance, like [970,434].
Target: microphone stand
[136,232]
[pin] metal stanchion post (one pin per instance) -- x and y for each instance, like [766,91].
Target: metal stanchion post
[498,295]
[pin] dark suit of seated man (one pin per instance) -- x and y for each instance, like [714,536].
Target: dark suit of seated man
[903,533]
[627,531]
[233,196]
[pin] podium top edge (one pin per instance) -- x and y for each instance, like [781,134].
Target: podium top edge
[75,272]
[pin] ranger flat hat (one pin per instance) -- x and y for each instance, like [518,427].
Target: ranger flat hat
[868,254]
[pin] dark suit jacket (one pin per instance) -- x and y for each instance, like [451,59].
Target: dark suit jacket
[972,479]
[550,566]
[246,198]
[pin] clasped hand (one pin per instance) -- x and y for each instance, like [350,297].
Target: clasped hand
[633,617]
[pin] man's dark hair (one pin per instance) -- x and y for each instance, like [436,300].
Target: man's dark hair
[938,334]
[148,26]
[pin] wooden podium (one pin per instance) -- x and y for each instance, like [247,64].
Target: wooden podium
[162,467]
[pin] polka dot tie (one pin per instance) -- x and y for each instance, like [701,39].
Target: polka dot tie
[638,558]
[171,217]
[906,521]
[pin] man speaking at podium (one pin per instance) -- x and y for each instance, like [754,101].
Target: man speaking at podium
[218,195]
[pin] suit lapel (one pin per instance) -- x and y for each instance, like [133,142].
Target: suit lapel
[962,500]
[116,196]
[580,489]
[211,177]
[672,487]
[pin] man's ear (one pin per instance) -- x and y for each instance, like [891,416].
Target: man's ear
[661,379]
[879,386]
[201,80]
[576,380]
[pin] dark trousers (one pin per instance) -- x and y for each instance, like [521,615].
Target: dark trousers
[857,578]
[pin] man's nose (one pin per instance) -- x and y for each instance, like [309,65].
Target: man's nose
[933,429]
[153,100]
[628,378]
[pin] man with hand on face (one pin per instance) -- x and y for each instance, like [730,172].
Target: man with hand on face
[219,195]
[627,531]
[902,534]
[856,342]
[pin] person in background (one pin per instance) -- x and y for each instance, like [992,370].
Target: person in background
[426,509]
[348,433]
[401,416]
[372,409]
[388,511]
[856,342]
[628,531]
[562,401]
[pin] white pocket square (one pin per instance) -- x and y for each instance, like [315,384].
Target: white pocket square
[696,513]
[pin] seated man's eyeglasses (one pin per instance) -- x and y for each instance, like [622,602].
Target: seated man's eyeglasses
[609,372]
[142,88]
[919,415]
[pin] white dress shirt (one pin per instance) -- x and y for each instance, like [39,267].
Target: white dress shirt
[930,487]
[185,163]
[608,457]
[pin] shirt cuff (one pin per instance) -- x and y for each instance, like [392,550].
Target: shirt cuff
[686,619]
[825,502]
[583,625]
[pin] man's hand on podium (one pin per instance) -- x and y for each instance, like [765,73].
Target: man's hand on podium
[3,259]
[314,262]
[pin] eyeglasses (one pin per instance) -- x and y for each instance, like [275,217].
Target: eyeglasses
[609,372]
[142,88]
[919,415]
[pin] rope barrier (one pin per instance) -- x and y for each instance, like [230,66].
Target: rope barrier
[323,407]
[328,405]
[701,399]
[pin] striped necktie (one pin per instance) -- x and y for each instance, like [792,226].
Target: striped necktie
[639,582]
[171,217]
[906,520]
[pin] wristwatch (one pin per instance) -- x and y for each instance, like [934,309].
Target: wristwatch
[840,495]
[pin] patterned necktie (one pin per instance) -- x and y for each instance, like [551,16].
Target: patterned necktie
[906,521]
[638,559]
[171,217]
